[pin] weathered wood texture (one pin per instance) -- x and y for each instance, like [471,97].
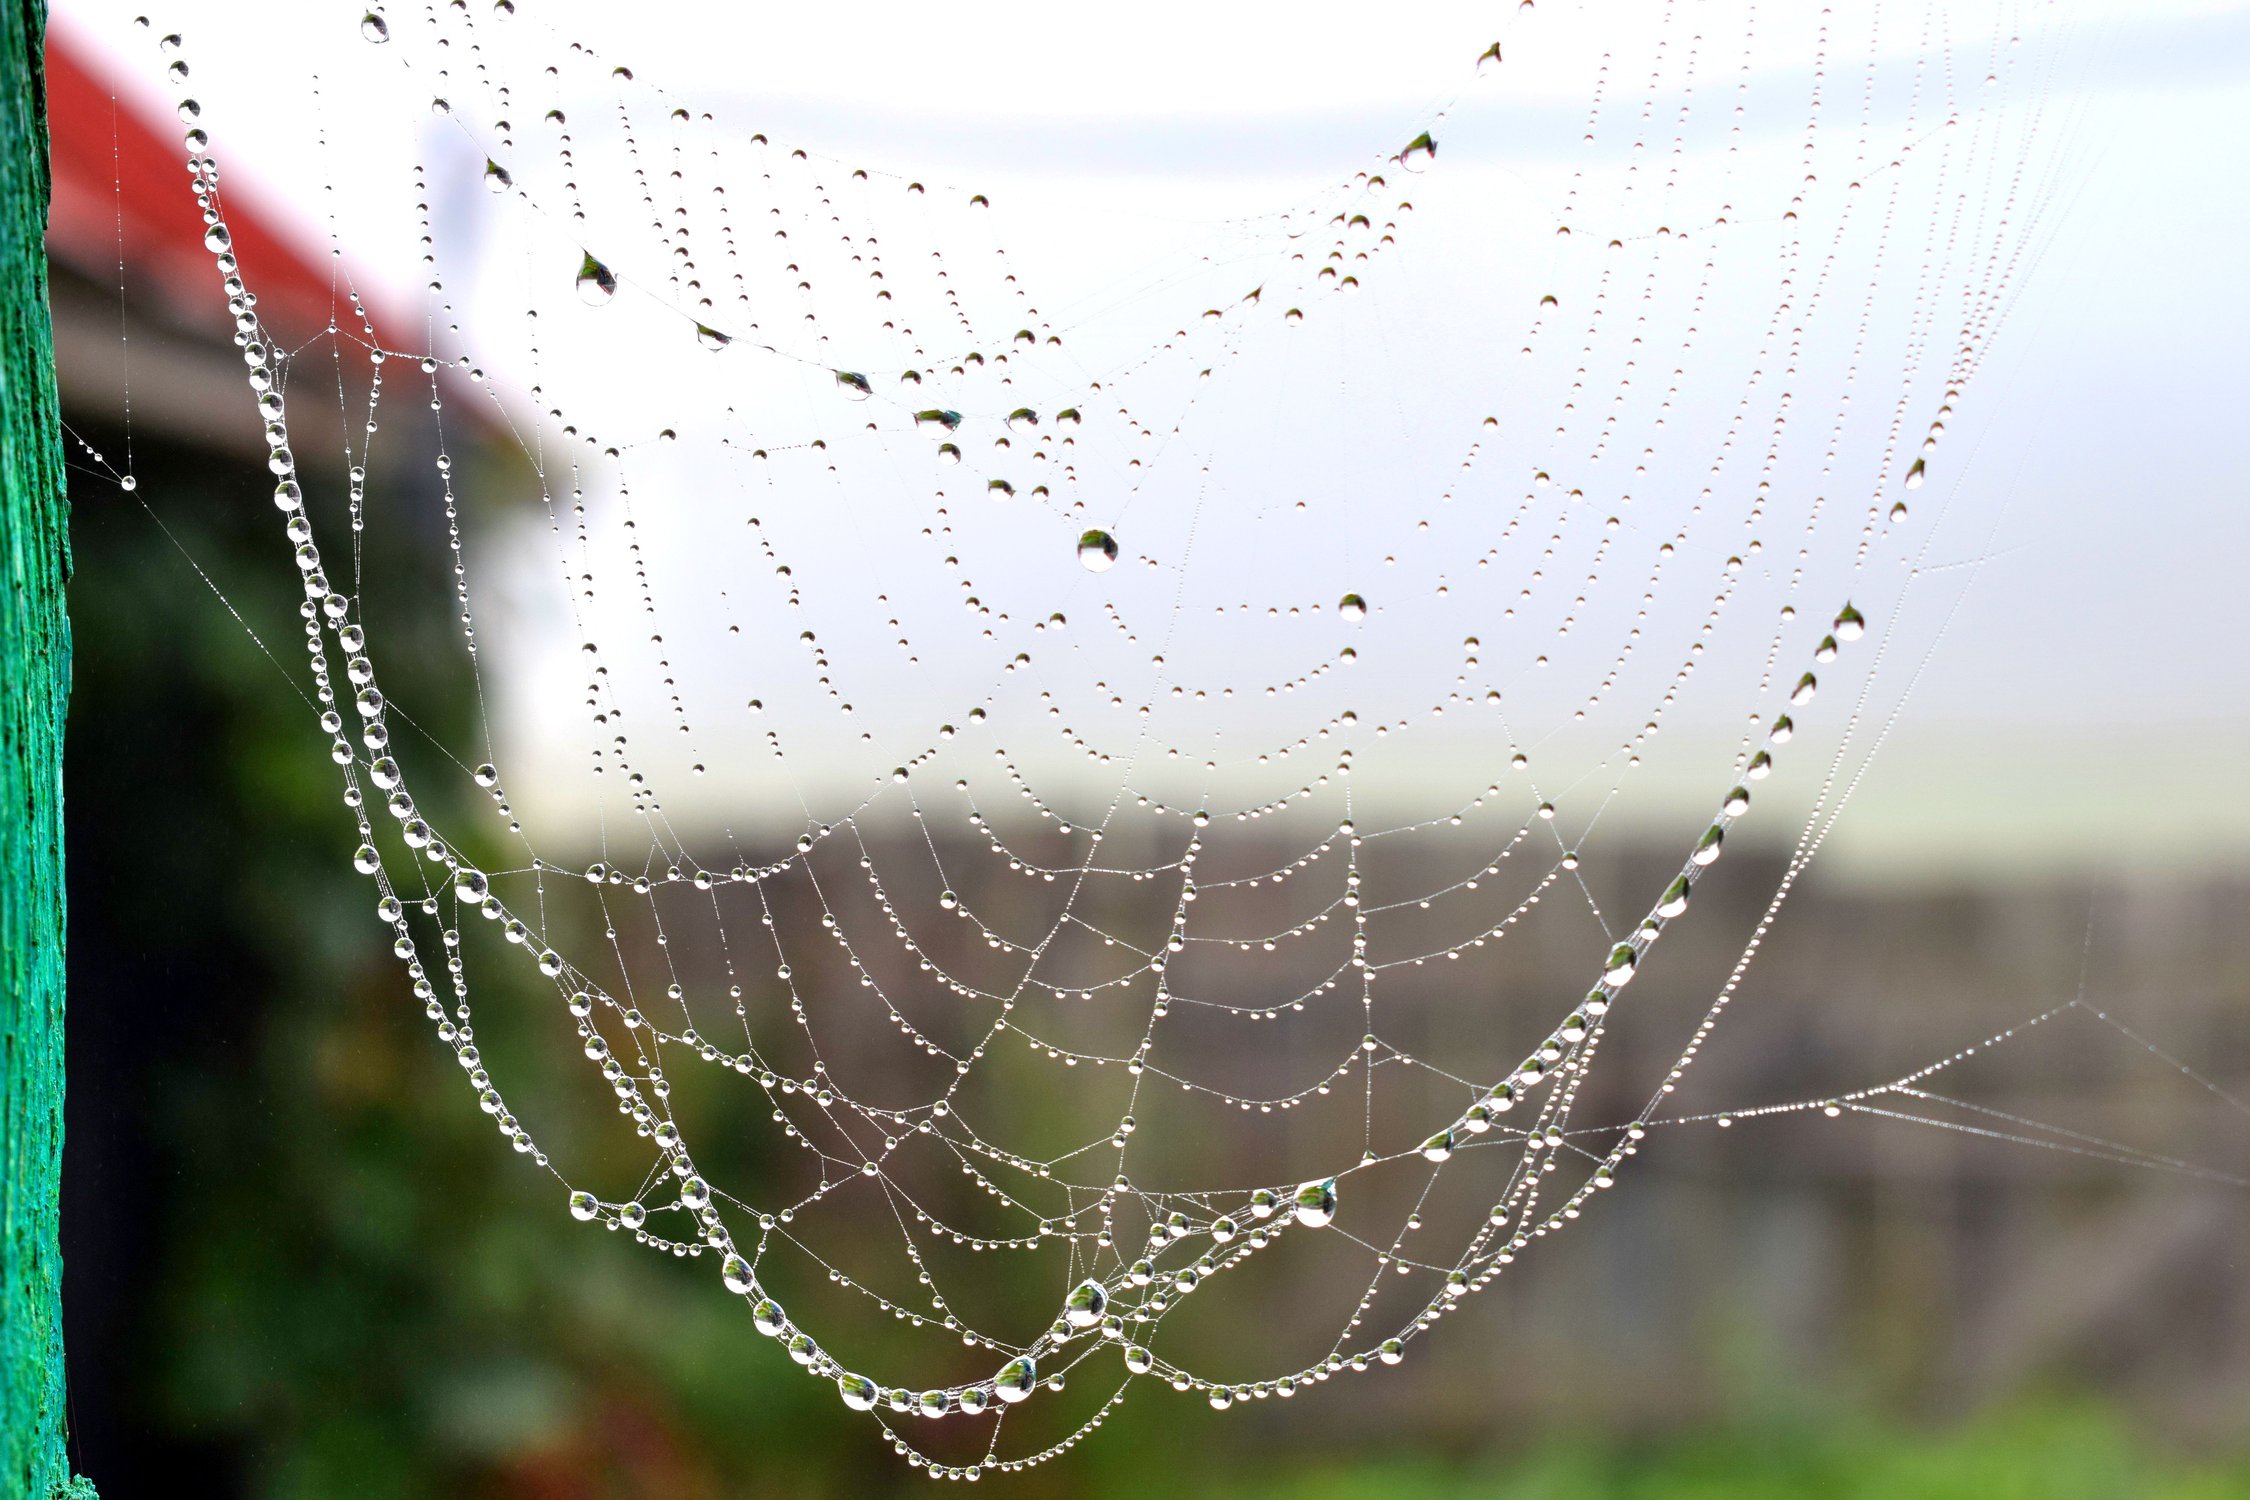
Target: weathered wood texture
[34,689]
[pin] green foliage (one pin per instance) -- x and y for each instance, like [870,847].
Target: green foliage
[2058,1452]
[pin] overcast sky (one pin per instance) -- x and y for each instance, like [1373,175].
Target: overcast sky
[2090,691]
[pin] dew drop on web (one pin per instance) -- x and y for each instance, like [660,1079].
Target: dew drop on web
[1097,551]
[596,284]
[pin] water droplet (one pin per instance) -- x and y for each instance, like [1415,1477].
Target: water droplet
[471,885]
[1802,694]
[1352,607]
[1489,59]
[584,1206]
[1915,475]
[1097,551]
[366,860]
[596,283]
[858,1391]
[737,1275]
[936,416]
[1618,971]
[1315,1202]
[1017,1379]
[1139,1360]
[1084,1307]
[1737,803]
[1675,898]
[1850,625]
[486,775]
[374,28]
[1419,153]
[1022,419]
[710,338]
[768,1317]
[1707,847]
[853,386]
[1439,1147]
[496,176]
[216,239]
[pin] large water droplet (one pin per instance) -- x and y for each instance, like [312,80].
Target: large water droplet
[1017,1379]
[1084,1307]
[736,1273]
[1352,607]
[596,283]
[1419,153]
[496,176]
[1097,551]
[1675,897]
[583,1206]
[1315,1202]
[1850,625]
[710,338]
[858,1391]
[1914,476]
[216,239]
[374,28]
[853,386]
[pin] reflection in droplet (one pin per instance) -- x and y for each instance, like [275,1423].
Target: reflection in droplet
[853,386]
[710,338]
[1352,607]
[1675,897]
[1016,1380]
[1419,153]
[595,283]
[1084,1307]
[1315,1202]
[1097,551]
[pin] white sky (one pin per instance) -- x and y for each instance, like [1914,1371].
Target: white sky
[2089,694]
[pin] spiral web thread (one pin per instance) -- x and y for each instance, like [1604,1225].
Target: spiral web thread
[793,271]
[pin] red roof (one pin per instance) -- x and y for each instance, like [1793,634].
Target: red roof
[121,185]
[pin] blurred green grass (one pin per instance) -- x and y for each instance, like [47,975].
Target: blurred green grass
[2052,1451]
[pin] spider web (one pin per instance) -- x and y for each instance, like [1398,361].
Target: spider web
[1048,844]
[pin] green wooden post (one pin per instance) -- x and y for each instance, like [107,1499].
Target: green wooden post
[34,690]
